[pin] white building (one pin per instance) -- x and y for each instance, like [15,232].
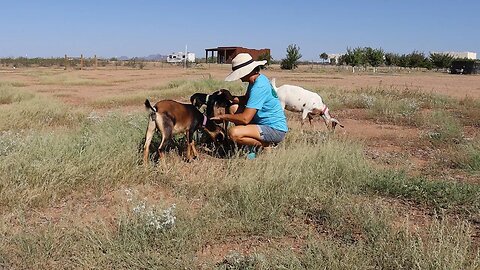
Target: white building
[179,57]
[333,58]
[467,55]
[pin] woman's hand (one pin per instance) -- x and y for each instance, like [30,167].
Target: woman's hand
[217,118]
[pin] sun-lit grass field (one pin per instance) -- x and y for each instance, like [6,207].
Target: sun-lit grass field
[75,194]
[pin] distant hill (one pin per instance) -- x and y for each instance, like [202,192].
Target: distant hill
[151,57]
[155,57]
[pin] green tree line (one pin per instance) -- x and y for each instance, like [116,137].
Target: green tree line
[373,57]
[356,57]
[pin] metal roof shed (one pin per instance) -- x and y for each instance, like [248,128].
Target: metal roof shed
[226,54]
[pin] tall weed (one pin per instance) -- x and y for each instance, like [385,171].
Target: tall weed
[442,127]
[41,166]
[9,93]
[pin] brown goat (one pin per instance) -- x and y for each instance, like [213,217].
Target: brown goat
[171,117]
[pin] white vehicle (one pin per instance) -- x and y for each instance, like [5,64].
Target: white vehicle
[179,57]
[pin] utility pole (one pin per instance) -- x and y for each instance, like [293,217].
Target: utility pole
[185,57]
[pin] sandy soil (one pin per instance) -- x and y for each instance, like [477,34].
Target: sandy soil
[389,144]
[386,145]
[113,81]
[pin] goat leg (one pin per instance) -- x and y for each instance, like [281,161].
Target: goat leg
[166,128]
[191,143]
[195,153]
[148,139]
[305,113]
[189,154]
[191,151]
[310,117]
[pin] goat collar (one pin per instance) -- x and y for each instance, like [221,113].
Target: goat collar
[325,110]
[204,121]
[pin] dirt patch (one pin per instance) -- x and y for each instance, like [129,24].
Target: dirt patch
[245,246]
[87,85]
[386,145]
[429,82]
[90,208]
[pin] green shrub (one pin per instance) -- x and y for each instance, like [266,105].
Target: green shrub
[442,127]
[465,156]
[292,57]
[440,194]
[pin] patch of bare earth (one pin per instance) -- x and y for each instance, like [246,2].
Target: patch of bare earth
[91,208]
[386,145]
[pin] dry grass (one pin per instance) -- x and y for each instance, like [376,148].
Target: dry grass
[312,201]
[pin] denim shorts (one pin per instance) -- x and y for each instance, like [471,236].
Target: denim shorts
[271,135]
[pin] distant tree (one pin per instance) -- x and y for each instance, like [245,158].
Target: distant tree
[417,59]
[267,57]
[392,59]
[374,57]
[342,60]
[324,57]
[292,57]
[348,59]
[403,60]
[440,60]
[355,57]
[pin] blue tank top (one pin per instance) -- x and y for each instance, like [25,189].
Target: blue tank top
[263,98]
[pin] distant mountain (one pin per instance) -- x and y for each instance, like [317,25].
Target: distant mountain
[155,57]
[151,57]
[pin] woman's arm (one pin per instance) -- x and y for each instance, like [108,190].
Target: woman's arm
[243,118]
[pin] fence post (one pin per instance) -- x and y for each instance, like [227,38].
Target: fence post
[95,59]
[66,62]
[81,61]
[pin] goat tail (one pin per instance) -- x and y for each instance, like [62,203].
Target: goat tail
[273,84]
[149,106]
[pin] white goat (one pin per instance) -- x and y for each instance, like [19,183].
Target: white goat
[296,99]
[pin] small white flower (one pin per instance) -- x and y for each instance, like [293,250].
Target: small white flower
[367,100]
[129,194]
[139,208]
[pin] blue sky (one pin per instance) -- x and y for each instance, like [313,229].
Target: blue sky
[139,28]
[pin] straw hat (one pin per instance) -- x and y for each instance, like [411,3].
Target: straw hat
[242,65]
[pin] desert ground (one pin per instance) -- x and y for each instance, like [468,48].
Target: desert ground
[118,81]
[387,142]
[84,87]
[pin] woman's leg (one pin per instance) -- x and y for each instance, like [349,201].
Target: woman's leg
[246,135]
